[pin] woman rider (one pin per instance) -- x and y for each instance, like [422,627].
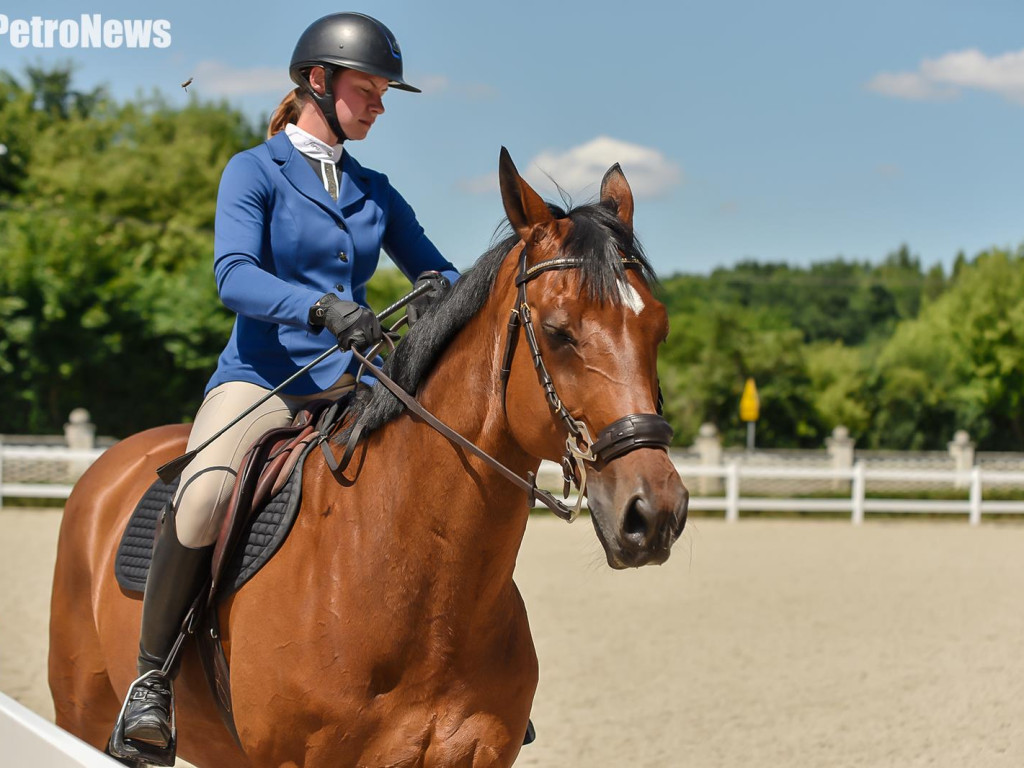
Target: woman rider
[298,232]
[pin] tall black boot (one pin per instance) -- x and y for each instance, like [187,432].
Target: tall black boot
[175,576]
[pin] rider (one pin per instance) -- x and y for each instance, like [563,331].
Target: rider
[298,232]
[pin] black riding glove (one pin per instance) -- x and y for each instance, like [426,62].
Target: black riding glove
[438,285]
[352,324]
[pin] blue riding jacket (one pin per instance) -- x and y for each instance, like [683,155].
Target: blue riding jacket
[281,242]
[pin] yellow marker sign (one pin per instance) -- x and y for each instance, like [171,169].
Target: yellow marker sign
[750,403]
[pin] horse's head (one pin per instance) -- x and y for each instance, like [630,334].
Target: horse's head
[593,327]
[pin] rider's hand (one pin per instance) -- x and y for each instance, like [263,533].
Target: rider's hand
[438,285]
[352,324]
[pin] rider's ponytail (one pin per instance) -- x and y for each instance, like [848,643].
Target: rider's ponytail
[287,112]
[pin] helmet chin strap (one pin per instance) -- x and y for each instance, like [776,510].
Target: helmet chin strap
[325,101]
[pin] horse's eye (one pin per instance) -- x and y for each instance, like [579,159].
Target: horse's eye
[558,335]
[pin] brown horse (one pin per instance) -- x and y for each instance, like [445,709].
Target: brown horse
[388,631]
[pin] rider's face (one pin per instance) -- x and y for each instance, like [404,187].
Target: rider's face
[357,99]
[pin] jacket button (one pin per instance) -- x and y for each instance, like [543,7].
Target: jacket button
[339,288]
[342,255]
[341,224]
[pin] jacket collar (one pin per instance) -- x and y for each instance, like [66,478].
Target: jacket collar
[311,146]
[353,182]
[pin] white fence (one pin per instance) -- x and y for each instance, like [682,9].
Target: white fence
[50,472]
[29,741]
[857,483]
[41,472]
[969,484]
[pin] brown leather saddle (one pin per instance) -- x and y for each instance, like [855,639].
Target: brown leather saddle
[261,510]
[271,465]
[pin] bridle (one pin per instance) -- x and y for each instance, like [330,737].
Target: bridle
[635,430]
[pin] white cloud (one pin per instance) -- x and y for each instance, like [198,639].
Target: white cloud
[649,172]
[909,85]
[213,78]
[580,169]
[948,75]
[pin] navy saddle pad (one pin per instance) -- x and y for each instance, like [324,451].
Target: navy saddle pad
[264,533]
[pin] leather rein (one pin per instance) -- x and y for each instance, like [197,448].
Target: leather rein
[635,430]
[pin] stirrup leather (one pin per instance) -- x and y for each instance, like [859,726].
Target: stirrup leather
[132,749]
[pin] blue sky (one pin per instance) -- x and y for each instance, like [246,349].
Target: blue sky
[786,131]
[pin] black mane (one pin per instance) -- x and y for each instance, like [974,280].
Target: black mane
[598,237]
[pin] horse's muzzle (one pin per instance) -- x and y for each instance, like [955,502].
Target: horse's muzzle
[638,506]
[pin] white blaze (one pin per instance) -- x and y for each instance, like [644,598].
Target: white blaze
[630,297]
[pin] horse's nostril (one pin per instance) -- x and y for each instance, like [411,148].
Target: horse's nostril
[635,524]
[681,512]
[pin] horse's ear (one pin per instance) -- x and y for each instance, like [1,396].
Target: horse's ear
[614,187]
[523,206]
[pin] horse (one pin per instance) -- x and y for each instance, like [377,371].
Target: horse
[388,630]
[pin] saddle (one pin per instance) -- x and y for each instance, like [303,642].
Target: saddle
[261,512]
[261,509]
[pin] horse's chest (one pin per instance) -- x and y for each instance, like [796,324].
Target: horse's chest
[396,681]
[406,707]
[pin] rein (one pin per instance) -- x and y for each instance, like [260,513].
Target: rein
[529,484]
[635,430]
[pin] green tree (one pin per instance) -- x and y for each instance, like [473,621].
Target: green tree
[105,258]
[960,365]
[934,284]
[838,382]
[712,350]
[901,275]
[830,300]
[54,97]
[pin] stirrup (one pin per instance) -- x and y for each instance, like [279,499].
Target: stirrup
[130,749]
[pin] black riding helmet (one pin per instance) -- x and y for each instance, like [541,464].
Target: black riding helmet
[346,40]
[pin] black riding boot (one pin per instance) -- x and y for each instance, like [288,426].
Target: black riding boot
[175,576]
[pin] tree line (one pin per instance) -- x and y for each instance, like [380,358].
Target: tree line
[107,298]
[901,355]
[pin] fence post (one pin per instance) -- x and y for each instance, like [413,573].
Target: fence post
[732,493]
[857,489]
[80,435]
[975,497]
[840,449]
[962,450]
[709,446]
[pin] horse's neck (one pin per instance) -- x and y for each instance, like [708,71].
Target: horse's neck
[464,391]
[475,516]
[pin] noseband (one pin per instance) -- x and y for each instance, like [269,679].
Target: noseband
[635,430]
